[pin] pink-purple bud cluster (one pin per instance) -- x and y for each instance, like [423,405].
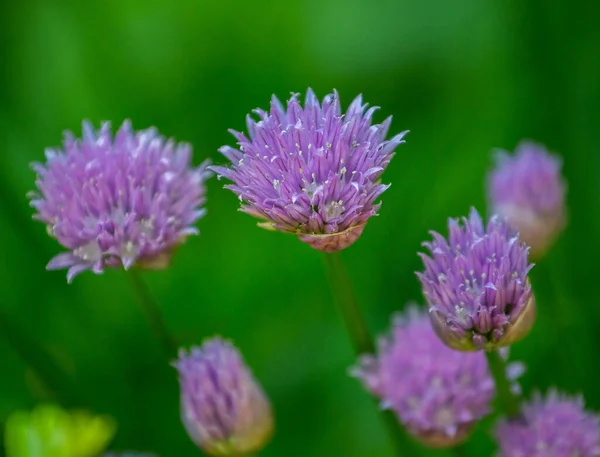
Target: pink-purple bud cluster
[312,171]
[223,408]
[555,426]
[528,189]
[437,393]
[122,201]
[476,285]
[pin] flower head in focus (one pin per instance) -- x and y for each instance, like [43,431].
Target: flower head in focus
[128,200]
[476,284]
[528,189]
[223,408]
[49,431]
[555,426]
[312,171]
[439,394]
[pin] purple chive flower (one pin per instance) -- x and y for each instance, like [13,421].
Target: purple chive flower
[476,284]
[437,393]
[557,426]
[312,171]
[528,189]
[223,408]
[124,201]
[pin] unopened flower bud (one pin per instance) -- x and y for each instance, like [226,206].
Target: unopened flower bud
[476,284]
[527,188]
[223,408]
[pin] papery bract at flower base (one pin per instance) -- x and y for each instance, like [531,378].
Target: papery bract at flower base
[223,408]
[476,284]
[116,202]
[437,393]
[555,426]
[311,171]
[527,188]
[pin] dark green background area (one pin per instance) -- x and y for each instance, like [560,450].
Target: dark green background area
[464,76]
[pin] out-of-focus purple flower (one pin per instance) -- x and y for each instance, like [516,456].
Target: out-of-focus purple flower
[223,408]
[555,426]
[122,201]
[476,284]
[311,171]
[436,392]
[528,189]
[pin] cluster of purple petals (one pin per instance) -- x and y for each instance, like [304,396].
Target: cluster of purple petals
[555,426]
[529,190]
[223,408]
[476,284]
[311,171]
[438,393]
[118,201]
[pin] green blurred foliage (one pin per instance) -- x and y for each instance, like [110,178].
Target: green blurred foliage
[464,77]
[50,431]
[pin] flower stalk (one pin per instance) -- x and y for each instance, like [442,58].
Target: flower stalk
[41,362]
[347,306]
[507,400]
[362,341]
[152,313]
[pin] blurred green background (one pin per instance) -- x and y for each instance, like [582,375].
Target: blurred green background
[463,76]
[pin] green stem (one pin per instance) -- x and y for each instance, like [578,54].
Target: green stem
[2,445]
[153,315]
[41,362]
[507,400]
[559,305]
[460,451]
[402,442]
[362,341]
[347,306]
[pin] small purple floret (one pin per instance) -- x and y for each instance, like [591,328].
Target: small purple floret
[118,201]
[528,189]
[223,408]
[476,284]
[436,392]
[555,426]
[311,171]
